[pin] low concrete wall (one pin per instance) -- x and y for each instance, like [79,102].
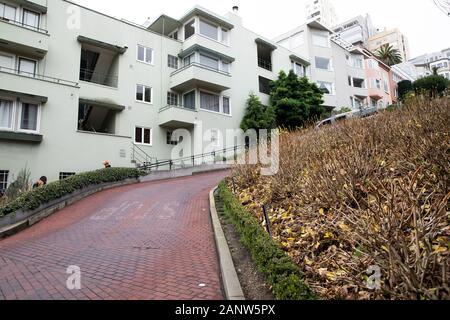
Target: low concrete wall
[184,172]
[21,219]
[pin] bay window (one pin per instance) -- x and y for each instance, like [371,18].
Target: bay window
[210,62]
[209,30]
[209,101]
[189,100]
[189,29]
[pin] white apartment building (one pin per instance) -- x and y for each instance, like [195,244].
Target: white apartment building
[392,37]
[322,11]
[78,87]
[356,31]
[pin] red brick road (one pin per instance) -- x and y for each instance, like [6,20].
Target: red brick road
[145,241]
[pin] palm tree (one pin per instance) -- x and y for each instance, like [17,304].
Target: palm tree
[389,55]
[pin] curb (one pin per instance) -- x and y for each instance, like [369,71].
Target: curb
[230,280]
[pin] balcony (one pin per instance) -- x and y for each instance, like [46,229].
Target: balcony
[177,117]
[99,78]
[198,75]
[20,38]
[31,86]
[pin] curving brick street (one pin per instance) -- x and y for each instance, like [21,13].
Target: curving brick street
[146,241]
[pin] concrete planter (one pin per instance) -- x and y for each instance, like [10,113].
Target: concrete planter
[20,219]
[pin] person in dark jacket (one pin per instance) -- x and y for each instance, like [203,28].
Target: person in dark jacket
[40,183]
[106,164]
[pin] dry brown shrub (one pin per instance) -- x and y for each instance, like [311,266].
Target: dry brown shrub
[364,192]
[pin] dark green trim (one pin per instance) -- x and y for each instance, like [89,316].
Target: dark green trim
[266,43]
[101,44]
[103,104]
[21,95]
[197,47]
[299,60]
[21,136]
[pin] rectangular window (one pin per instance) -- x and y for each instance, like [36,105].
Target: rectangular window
[264,85]
[144,93]
[209,30]
[226,105]
[143,135]
[189,100]
[189,29]
[188,60]
[145,54]
[225,39]
[326,87]
[320,39]
[65,175]
[172,61]
[172,99]
[298,69]
[215,137]
[174,35]
[3,180]
[31,19]
[27,67]
[358,63]
[209,101]
[29,117]
[7,12]
[323,63]
[226,67]
[6,114]
[209,62]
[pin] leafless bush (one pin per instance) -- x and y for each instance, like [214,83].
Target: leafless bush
[365,192]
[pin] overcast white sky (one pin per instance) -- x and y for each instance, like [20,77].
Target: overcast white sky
[427,28]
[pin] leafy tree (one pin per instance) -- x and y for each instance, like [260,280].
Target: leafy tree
[389,55]
[258,116]
[404,87]
[296,100]
[432,85]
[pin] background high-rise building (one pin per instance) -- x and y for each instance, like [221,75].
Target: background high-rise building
[356,31]
[392,37]
[322,11]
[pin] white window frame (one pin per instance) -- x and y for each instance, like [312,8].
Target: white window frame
[152,63]
[295,66]
[177,60]
[38,120]
[333,91]
[220,29]
[143,94]
[176,94]
[143,133]
[14,112]
[330,65]
[220,102]
[30,26]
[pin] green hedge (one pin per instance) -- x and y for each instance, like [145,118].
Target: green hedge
[35,198]
[280,271]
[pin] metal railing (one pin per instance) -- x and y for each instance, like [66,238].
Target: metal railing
[23,25]
[192,64]
[265,64]
[38,76]
[172,106]
[98,78]
[216,157]
[140,157]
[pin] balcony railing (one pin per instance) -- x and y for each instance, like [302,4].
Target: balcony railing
[23,25]
[99,78]
[265,64]
[201,66]
[38,76]
[168,107]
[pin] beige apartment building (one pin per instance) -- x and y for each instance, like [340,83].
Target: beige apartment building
[392,37]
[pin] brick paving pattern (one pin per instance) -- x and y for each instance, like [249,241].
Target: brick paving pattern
[151,241]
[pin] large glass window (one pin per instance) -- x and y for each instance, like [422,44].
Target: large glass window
[209,30]
[31,19]
[6,61]
[209,62]
[7,12]
[188,60]
[326,87]
[189,100]
[29,117]
[323,63]
[264,85]
[225,39]
[27,67]
[189,29]
[6,114]
[209,101]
